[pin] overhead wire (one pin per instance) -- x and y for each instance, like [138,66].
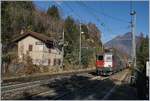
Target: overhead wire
[108,28]
[98,19]
[107,15]
[104,25]
[116,18]
[74,12]
[78,16]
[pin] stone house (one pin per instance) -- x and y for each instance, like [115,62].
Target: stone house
[42,49]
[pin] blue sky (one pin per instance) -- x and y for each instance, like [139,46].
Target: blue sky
[111,17]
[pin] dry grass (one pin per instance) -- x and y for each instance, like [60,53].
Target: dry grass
[48,71]
[43,74]
[29,69]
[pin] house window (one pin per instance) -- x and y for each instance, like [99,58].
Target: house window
[54,62]
[59,61]
[49,61]
[39,43]
[49,50]
[30,47]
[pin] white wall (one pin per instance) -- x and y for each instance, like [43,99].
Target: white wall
[40,53]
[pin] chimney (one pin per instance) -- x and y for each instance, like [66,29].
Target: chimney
[22,31]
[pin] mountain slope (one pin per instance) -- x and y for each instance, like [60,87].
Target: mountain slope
[123,43]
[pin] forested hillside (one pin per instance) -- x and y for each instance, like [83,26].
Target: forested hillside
[25,15]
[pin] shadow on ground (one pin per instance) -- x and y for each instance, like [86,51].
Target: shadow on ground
[82,88]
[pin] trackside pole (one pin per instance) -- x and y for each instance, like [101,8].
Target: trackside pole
[62,62]
[133,23]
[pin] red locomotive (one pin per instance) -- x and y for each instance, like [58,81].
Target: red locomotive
[109,62]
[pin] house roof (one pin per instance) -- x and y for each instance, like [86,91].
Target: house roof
[36,35]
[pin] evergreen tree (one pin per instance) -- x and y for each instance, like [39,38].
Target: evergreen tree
[142,53]
[53,12]
[142,58]
[72,37]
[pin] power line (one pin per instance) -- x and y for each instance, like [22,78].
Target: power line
[97,17]
[77,15]
[112,17]
[74,12]
[104,24]
[118,19]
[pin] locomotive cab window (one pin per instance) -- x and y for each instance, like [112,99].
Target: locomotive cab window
[99,57]
[108,58]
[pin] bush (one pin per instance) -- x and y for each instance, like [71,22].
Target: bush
[7,60]
[87,55]
[45,69]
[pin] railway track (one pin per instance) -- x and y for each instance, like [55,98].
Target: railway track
[9,88]
[94,88]
[50,92]
[24,79]
[63,95]
[26,85]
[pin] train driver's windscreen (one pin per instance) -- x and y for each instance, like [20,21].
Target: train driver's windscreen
[99,57]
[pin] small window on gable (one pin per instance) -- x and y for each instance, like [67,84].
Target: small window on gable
[30,47]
